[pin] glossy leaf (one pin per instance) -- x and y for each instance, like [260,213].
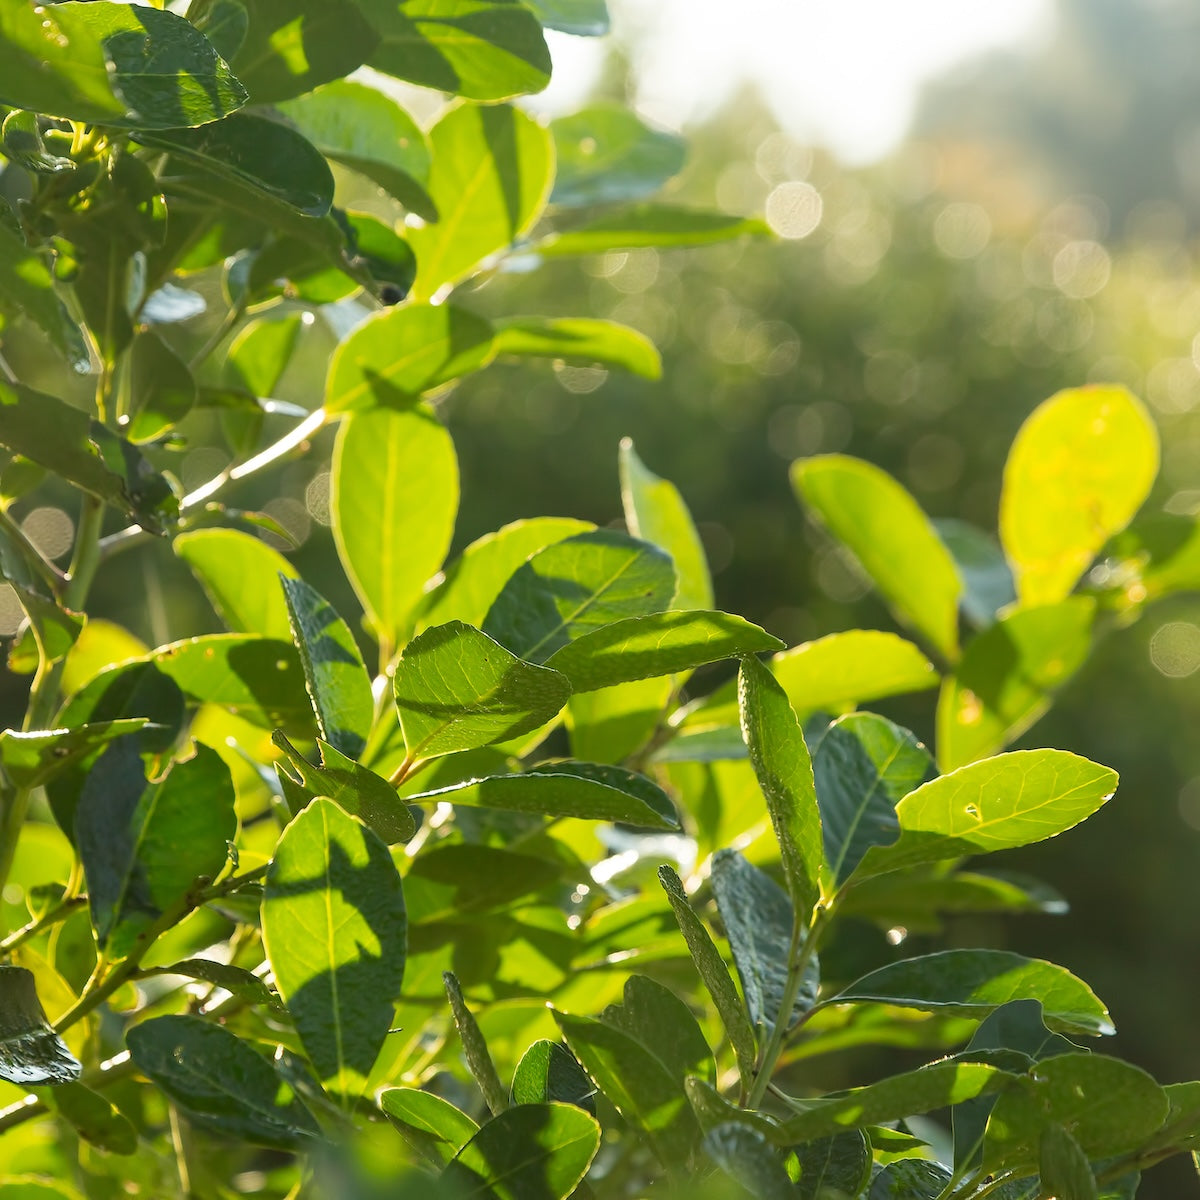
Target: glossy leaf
[558,790]
[220,1083]
[548,1072]
[648,225]
[31,759]
[431,1125]
[530,1152]
[897,546]
[144,844]
[161,388]
[457,689]
[864,766]
[583,340]
[334,929]
[1011,800]
[95,1118]
[714,974]
[840,1164]
[758,920]
[976,982]
[746,1155]
[605,154]
[1008,676]
[479,1059]
[394,496]
[658,644]
[783,768]
[396,355]
[481,49]
[27,288]
[584,18]
[240,575]
[575,586]
[489,180]
[334,673]
[30,1051]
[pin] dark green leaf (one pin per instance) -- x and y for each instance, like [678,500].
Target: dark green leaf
[360,792]
[394,496]
[456,689]
[584,18]
[27,289]
[561,790]
[784,772]
[1158,554]
[30,1051]
[834,1166]
[605,154]
[1008,676]
[648,225]
[575,586]
[583,340]
[530,1152]
[910,1179]
[479,1059]
[489,180]
[30,759]
[894,541]
[713,1109]
[395,356]
[95,1118]
[714,973]
[1063,1167]
[481,49]
[53,629]
[987,580]
[864,766]
[235,980]
[221,1083]
[368,132]
[549,1072]
[82,451]
[654,1016]
[223,22]
[334,929]
[22,143]
[334,672]
[975,983]
[161,388]
[291,46]
[144,844]
[747,1156]
[758,921]
[385,254]
[430,1125]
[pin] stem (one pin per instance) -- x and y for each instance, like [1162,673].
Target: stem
[60,912]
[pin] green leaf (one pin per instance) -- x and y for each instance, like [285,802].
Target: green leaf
[259,679]
[31,759]
[394,496]
[714,974]
[894,541]
[30,1051]
[611,724]
[987,580]
[1011,800]
[395,356]
[746,1155]
[1008,676]
[85,453]
[910,1179]
[638,1086]
[431,1125]
[605,154]
[260,353]
[240,575]
[658,644]
[758,921]
[334,672]
[481,49]
[143,844]
[221,1084]
[713,1109]
[27,289]
[385,254]
[656,513]
[354,788]
[479,1059]
[907,1095]
[489,180]
[583,340]
[575,586]
[549,1072]
[334,929]
[475,578]
[974,983]
[530,1152]
[161,388]
[235,980]
[559,790]
[263,155]
[1063,1168]
[95,1118]
[864,766]
[1079,469]
[1157,555]
[837,1165]
[368,132]
[52,631]
[648,225]
[113,64]
[454,879]
[584,18]
[1110,1107]
[223,22]
[457,689]
[784,772]
[657,1018]
[292,46]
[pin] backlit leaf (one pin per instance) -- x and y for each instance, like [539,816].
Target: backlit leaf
[30,759]
[648,225]
[584,340]
[548,1072]
[428,1123]
[584,18]
[27,289]
[161,388]
[475,1051]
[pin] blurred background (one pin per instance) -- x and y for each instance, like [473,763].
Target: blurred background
[974,206]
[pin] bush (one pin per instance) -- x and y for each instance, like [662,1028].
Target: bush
[305,927]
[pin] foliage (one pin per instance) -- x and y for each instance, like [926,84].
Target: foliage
[440,899]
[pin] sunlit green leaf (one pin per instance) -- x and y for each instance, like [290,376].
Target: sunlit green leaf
[985,573]
[583,340]
[657,1018]
[260,353]
[454,879]
[27,289]
[547,1072]
[431,1125]
[30,759]
[612,723]
[648,225]
[475,1050]
[161,388]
